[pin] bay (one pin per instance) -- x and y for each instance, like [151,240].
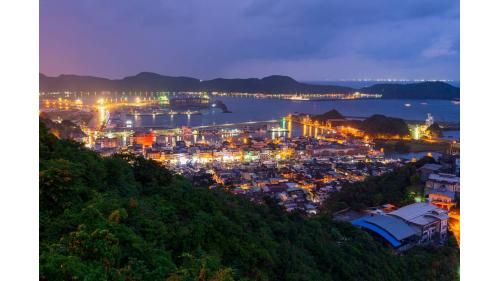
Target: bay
[251,109]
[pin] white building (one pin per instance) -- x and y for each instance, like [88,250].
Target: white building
[430,221]
[443,181]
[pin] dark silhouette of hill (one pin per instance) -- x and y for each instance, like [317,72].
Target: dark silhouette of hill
[382,125]
[374,125]
[148,81]
[332,114]
[424,90]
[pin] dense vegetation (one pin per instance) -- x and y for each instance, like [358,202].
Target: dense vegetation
[382,125]
[374,125]
[127,218]
[405,146]
[65,129]
[399,188]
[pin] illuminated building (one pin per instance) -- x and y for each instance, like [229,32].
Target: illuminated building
[163,100]
[144,139]
[426,170]
[102,143]
[430,120]
[441,198]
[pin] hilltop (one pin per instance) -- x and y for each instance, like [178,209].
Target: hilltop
[148,81]
[329,115]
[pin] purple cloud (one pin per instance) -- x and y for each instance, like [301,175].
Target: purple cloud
[307,39]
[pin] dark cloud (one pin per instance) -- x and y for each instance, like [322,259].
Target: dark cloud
[309,39]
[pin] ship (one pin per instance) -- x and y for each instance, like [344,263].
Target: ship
[187,100]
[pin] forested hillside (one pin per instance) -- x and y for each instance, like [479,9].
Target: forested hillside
[127,218]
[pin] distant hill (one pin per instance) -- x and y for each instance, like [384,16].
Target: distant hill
[148,81]
[424,90]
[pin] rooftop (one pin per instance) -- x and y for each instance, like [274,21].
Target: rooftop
[444,192]
[396,227]
[433,167]
[390,228]
[416,212]
[444,177]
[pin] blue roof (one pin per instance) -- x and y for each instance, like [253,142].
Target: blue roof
[386,235]
[397,227]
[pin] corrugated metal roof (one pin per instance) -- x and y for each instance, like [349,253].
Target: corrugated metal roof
[384,234]
[414,212]
[396,227]
[444,177]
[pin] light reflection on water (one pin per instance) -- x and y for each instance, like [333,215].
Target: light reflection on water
[250,109]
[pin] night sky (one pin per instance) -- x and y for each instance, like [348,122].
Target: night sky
[306,39]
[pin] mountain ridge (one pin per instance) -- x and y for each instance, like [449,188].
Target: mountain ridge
[274,84]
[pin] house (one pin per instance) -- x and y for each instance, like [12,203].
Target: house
[430,221]
[443,181]
[441,198]
[390,230]
[426,170]
[418,223]
[103,143]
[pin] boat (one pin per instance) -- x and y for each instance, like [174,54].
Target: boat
[186,100]
[408,104]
